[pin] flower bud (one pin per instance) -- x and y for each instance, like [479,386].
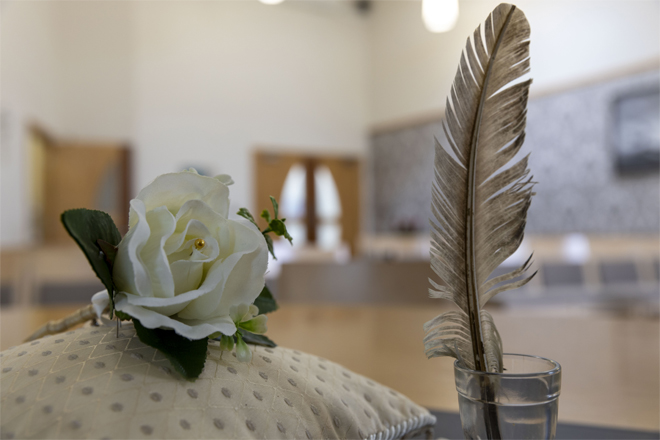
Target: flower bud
[227,343]
[243,353]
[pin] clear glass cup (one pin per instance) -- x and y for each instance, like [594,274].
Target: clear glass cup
[520,403]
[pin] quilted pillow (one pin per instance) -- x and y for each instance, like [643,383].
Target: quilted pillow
[88,383]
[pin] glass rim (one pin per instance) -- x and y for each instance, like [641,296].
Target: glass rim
[551,372]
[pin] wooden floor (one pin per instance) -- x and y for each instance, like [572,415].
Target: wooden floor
[610,364]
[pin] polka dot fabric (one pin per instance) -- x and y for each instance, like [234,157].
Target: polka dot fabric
[89,383]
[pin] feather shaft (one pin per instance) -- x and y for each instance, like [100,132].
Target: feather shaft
[470,257]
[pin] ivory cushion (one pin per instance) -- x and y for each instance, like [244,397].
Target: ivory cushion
[88,383]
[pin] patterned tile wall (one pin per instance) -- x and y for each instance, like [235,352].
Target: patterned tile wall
[570,137]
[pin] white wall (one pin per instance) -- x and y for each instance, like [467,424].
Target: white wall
[214,80]
[187,83]
[95,58]
[204,83]
[573,41]
[28,82]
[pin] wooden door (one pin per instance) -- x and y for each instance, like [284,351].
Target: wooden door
[69,175]
[271,170]
[346,172]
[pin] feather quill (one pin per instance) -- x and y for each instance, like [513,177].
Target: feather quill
[479,209]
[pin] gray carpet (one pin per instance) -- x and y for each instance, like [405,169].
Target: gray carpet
[449,426]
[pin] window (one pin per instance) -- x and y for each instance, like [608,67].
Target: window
[327,215]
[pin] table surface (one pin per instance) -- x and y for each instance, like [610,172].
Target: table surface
[610,364]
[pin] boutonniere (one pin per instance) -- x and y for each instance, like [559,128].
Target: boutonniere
[184,272]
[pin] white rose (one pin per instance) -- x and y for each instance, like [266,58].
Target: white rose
[183,264]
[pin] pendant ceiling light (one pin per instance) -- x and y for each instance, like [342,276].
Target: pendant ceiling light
[271,2]
[439,15]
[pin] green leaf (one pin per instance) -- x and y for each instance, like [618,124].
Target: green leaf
[109,252]
[265,215]
[123,316]
[265,301]
[269,243]
[255,339]
[279,228]
[274,224]
[87,227]
[187,357]
[243,212]
[276,207]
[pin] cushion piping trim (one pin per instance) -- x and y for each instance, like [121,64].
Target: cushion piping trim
[404,427]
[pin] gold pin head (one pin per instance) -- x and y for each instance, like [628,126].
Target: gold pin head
[199,243]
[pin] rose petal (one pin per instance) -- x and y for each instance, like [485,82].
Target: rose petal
[152,255]
[225,178]
[196,229]
[213,277]
[174,189]
[238,312]
[247,277]
[100,301]
[194,218]
[204,305]
[187,275]
[201,211]
[242,275]
[128,272]
[190,329]
[166,306]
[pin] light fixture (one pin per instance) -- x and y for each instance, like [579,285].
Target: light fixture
[271,2]
[439,15]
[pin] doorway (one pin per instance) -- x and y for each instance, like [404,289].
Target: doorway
[74,174]
[318,195]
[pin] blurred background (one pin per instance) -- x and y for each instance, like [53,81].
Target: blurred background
[332,107]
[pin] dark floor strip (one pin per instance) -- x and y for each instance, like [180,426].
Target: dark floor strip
[448,426]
